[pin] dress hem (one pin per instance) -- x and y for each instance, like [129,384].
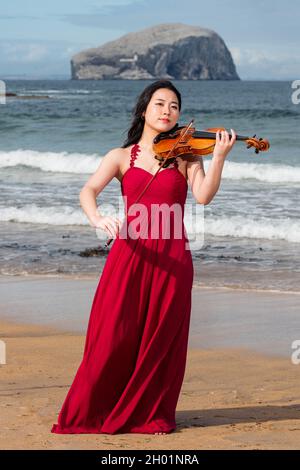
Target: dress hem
[56,429]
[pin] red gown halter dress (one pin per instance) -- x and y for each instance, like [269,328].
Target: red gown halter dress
[134,358]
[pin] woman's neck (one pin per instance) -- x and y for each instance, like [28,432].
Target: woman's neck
[146,140]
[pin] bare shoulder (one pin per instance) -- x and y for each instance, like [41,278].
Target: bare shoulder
[108,169]
[117,154]
[120,157]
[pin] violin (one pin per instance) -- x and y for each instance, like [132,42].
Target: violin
[187,141]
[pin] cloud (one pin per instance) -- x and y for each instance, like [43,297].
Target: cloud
[40,58]
[23,53]
[126,16]
[269,63]
[248,56]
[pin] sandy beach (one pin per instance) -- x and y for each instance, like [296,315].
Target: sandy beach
[232,398]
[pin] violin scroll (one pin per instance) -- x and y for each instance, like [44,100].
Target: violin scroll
[260,145]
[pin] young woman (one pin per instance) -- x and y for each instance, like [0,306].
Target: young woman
[134,359]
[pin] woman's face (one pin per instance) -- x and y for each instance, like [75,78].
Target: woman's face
[162,112]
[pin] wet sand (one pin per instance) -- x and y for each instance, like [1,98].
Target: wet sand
[264,321]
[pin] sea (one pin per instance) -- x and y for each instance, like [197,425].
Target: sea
[51,144]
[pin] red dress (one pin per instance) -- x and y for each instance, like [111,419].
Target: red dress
[134,358]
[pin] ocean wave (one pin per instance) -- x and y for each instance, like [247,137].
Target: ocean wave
[261,172]
[233,226]
[257,228]
[33,214]
[64,162]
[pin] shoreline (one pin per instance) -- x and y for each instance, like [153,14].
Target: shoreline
[94,277]
[258,320]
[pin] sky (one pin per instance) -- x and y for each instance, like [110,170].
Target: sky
[38,39]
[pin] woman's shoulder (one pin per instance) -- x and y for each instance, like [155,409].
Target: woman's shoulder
[120,157]
[117,153]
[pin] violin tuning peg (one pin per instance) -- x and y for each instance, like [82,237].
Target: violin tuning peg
[256,151]
[260,139]
[254,136]
[248,146]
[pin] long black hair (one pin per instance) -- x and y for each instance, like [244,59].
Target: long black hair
[137,125]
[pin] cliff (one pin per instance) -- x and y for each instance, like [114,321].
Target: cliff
[172,51]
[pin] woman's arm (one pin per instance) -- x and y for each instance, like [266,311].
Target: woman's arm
[205,186]
[108,169]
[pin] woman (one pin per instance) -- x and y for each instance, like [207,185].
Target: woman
[134,359]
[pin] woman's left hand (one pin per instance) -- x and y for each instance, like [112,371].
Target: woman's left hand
[223,144]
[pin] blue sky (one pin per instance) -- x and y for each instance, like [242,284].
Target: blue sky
[39,38]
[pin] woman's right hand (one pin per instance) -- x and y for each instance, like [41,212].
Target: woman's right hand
[111,225]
